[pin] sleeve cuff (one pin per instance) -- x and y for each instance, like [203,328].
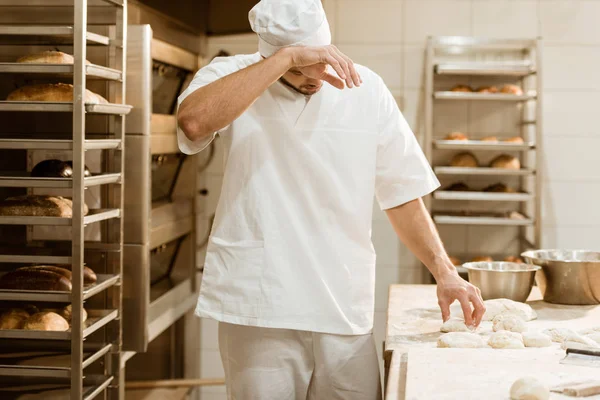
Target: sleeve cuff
[402,194]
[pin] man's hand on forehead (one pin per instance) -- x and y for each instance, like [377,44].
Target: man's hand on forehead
[313,61]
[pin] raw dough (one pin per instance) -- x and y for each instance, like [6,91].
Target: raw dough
[536,339]
[529,388]
[559,335]
[455,325]
[506,340]
[462,340]
[498,306]
[509,321]
[589,331]
[578,341]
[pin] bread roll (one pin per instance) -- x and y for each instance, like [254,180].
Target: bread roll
[513,259]
[489,139]
[516,139]
[506,161]
[456,136]
[13,318]
[46,321]
[511,89]
[487,89]
[499,188]
[38,206]
[458,187]
[35,279]
[455,261]
[461,88]
[48,57]
[54,92]
[516,215]
[464,160]
[67,312]
[482,258]
[89,276]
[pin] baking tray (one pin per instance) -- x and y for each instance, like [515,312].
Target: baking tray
[444,170]
[448,95]
[514,68]
[92,71]
[482,145]
[480,220]
[93,385]
[26,142]
[46,364]
[94,215]
[481,196]
[24,180]
[63,106]
[103,282]
[96,320]
[45,35]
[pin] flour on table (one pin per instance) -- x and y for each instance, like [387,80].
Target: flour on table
[463,340]
[536,339]
[529,388]
[594,336]
[589,331]
[506,340]
[509,321]
[455,325]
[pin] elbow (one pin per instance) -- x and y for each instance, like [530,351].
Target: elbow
[191,126]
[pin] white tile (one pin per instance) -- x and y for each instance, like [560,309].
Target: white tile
[571,203]
[424,18]
[571,67]
[414,67]
[210,364]
[570,113]
[209,334]
[570,237]
[385,60]
[569,21]
[567,158]
[373,21]
[505,19]
[389,248]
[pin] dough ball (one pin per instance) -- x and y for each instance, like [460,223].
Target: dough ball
[455,325]
[559,335]
[465,159]
[529,388]
[508,321]
[536,339]
[595,337]
[498,306]
[506,340]
[579,341]
[463,340]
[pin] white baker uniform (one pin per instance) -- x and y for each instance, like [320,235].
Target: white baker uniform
[291,241]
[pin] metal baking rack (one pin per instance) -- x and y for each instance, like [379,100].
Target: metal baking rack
[103,325]
[461,60]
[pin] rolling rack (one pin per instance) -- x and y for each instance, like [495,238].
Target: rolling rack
[468,60]
[86,359]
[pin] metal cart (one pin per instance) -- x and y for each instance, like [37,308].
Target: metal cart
[472,61]
[84,361]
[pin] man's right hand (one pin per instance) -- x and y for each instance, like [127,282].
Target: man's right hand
[313,62]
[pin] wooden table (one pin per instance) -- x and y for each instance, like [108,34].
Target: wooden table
[414,321]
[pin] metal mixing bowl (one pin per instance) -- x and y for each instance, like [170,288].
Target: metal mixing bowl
[567,276]
[505,280]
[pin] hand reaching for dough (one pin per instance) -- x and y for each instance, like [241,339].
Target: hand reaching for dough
[451,287]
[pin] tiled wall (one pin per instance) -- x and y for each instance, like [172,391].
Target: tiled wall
[389,37]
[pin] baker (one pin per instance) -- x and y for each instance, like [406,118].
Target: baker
[310,139]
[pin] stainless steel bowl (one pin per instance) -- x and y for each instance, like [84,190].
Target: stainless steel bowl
[567,276]
[499,280]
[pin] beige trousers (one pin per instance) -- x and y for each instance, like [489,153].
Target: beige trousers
[284,364]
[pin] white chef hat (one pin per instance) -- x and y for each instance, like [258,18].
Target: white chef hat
[282,23]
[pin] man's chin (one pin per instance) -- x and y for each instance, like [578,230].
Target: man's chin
[309,92]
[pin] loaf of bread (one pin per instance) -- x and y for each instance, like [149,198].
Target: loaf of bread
[487,89]
[482,259]
[516,139]
[54,92]
[464,160]
[461,88]
[456,136]
[48,57]
[489,139]
[89,276]
[499,188]
[458,187]
[67,313]
[506,161]
[38,206]
[58,270]
[511,89]
[513,259]
[46,321]
[32,279]
[13,318]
